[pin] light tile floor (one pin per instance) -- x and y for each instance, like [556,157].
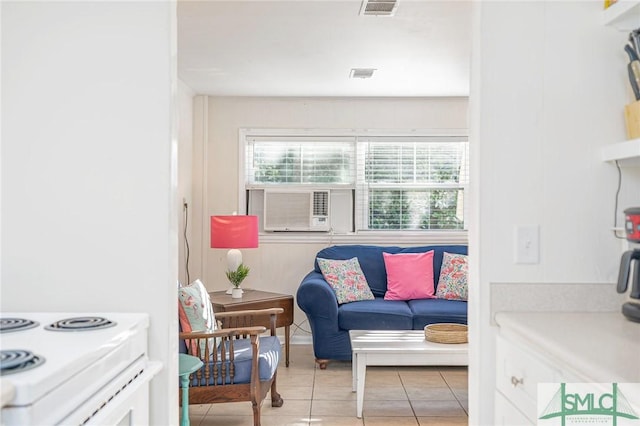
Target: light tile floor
[402,396]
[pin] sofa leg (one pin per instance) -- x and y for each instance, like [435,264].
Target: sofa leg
[322,363]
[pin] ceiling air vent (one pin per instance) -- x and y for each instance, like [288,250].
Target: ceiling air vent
[361,72]
[378,7]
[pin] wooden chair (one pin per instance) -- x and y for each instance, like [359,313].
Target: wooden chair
[247,367]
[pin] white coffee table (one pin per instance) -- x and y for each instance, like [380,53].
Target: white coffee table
[398,348]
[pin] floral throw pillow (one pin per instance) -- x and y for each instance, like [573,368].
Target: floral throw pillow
[453,277]
[196,312]
[346,279]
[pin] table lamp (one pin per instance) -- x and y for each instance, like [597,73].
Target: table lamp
[234,232]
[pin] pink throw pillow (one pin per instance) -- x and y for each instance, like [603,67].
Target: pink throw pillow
[409,276]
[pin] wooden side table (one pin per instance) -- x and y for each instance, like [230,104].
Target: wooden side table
[257,299]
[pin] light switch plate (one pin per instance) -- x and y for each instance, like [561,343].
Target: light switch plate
[527,244]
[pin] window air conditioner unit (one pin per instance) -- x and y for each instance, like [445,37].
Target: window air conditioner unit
[296,210]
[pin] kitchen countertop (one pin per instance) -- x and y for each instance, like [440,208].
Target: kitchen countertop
[598,347]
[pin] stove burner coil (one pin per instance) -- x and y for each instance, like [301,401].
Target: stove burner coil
[17,361]
[80,324]
[8,325]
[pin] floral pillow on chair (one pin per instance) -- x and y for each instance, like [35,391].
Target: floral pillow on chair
[196,311]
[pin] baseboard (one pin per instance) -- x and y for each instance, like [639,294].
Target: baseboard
[301,340]
[296,339]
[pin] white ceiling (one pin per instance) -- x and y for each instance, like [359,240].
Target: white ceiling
[308,47]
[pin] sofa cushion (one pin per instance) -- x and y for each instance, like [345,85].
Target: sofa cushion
[372,264]
[346,279]
[409,275]
[430,311]
[453,277]
[378,314]
[268,358]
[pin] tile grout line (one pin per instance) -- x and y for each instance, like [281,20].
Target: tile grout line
[313,393]
[408,399]
[454,394]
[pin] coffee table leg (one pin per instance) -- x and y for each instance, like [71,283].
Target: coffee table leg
[354,371]
[361,373]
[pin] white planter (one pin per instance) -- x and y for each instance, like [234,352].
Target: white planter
[236,293]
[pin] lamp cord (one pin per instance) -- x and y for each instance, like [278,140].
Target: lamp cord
[300,328]
[615,211]
[186,242]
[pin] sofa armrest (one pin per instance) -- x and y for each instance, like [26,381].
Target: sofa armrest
[316,298]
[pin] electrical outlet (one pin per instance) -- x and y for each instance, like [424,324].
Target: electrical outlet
[527,244]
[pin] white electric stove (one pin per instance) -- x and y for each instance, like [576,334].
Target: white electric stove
[75,369]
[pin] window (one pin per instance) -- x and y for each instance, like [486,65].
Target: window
[414,184]
[392,182]
[300,161]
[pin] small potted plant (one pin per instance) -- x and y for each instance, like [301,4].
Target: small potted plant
[235,278]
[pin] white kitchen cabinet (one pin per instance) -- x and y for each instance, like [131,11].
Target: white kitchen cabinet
[519,369]
[506,414]
[560,347]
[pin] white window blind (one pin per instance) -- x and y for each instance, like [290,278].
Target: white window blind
[302,161]
[399,183]
[413,183]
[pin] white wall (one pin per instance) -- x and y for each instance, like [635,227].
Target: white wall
[548,92]
[275,266]
[89,216]
[1,150]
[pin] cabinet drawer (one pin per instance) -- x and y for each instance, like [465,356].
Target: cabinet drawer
[518,373]
[508,415]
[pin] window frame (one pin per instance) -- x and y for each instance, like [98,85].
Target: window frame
[374,236]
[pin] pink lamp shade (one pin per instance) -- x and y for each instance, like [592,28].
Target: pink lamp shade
[234,232]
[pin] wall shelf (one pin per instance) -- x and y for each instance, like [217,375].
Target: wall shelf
[623,15]
[627,153]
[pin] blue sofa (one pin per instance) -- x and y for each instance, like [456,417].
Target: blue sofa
[330,323]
